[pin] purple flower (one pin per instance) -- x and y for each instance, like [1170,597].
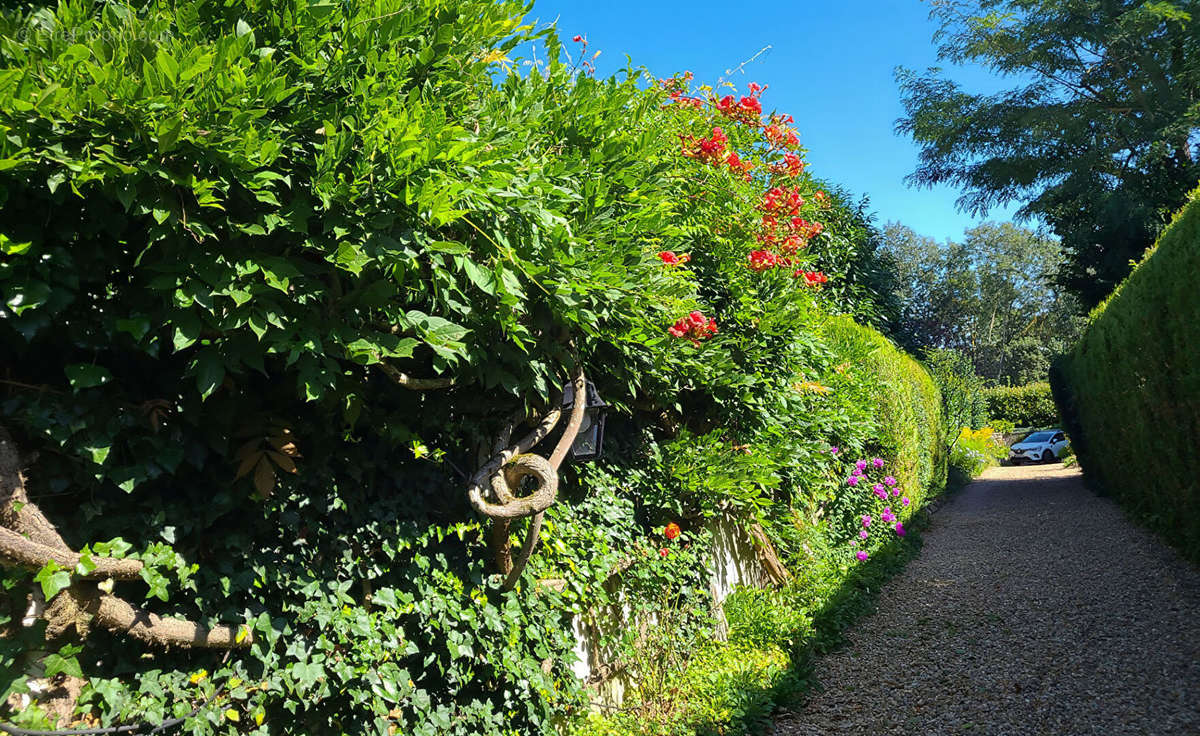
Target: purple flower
[862,534]
[899,528]
[856,471]
[877,462]
[904,500]
[853,542]
[861,464]
[834,450]
[866,521]
[862,555]
[895,491]
[852,480]
[881,494]
[890,480]
[878,489]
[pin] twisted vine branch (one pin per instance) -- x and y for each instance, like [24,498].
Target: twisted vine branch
[414,384]
[29,539]
[506,471]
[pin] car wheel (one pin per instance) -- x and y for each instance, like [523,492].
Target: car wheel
[1048,457]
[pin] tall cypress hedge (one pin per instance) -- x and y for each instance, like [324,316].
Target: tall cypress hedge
[1130,390]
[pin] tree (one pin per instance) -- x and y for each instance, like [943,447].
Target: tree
[1098,138]
[989,298]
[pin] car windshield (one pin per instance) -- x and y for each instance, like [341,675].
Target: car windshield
[1039,437]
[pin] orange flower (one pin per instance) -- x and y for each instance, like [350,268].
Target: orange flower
[672,530]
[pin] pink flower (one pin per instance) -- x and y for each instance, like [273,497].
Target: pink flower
[900,528]
[861,464]
[853,542]
[877,462]
[856,472]
[863,534]
[866,521]
[880,492]
[862,555]
[834,450]
[889,481]
[904,500]
[895,491]
[852,480]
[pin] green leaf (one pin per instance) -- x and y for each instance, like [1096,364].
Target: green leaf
[196,68]
[481,277]
[116,548]
[210,372]
[351,258]
[99,454]
[187,330]
[135,326]
[86,564]
[53,579]
[58,664]
[448,246]
[12,248]
[86,375]
[441,334]
[31,295]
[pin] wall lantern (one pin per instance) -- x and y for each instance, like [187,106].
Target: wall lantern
[590,441]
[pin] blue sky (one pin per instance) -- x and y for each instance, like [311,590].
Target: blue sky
[830,65]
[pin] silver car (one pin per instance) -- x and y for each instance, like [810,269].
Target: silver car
[1043,447]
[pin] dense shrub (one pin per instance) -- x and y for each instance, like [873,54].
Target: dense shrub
[241,241]
[1031,405]
[1130,390]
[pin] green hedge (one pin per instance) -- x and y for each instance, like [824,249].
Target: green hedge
[1130,390]
[907,401]
[1031,405]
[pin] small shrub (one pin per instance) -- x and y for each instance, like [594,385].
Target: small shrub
[977,450]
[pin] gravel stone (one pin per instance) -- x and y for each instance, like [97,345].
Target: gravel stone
[1035,607]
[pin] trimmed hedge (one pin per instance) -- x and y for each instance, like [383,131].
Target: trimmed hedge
[908,404]
[1130,390]
[1031,405]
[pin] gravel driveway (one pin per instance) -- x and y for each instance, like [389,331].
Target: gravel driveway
[1034,608]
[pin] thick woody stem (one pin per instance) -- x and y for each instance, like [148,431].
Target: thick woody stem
[116,615]
[23,552]
[766,553]
[560,452]
[27,538]
[414,384]
[16,512]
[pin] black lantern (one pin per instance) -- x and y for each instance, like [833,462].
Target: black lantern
[589,442]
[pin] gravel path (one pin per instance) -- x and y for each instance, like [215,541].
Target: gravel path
[1034,608]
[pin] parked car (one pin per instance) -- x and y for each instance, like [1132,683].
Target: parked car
[1044,447]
